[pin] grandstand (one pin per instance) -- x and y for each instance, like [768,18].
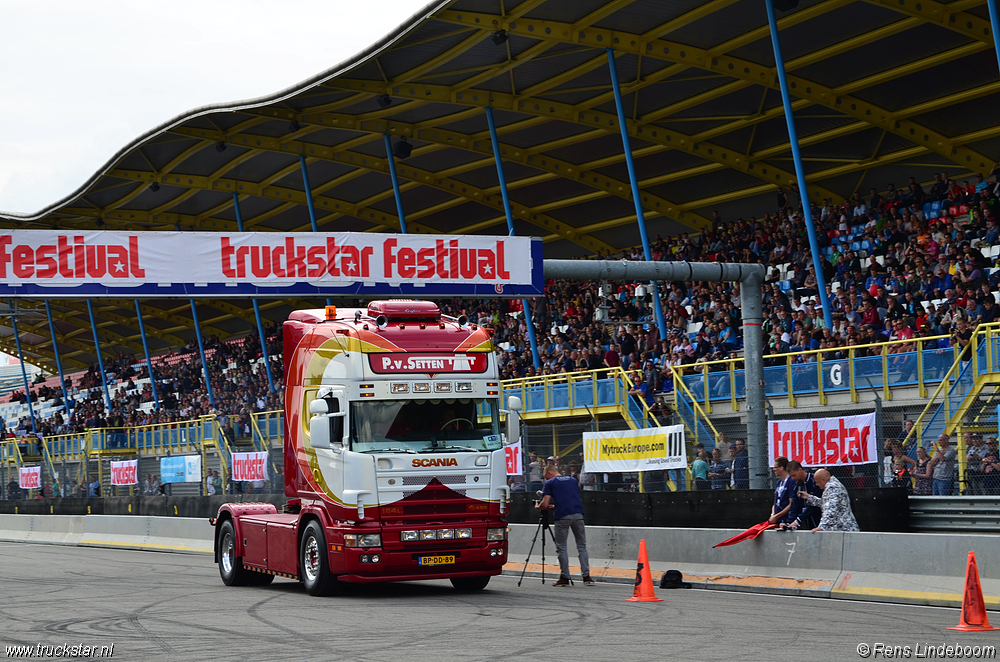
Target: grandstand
[883,93]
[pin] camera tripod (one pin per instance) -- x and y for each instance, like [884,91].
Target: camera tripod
[544,525]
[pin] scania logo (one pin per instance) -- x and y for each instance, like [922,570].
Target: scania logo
[436,462]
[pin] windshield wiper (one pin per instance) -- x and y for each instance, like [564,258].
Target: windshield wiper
[391,450]
[457,448]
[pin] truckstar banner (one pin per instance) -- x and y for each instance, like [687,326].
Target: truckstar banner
[635,450]
[30,478]
[125,472]
[250,466]
[55,263]
[824,442]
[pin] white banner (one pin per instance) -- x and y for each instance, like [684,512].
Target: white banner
[250,466]
[60,258]
[30,478]
[125,472]
[515,459]
[824,442]
[635,450]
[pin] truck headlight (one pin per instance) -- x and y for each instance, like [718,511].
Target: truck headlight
[446,534]
[496,534]
[463,533]
[408,536]
[362,540]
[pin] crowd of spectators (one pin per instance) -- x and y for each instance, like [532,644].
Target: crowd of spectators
[239,388]
[896,265]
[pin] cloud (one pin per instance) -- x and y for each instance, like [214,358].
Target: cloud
[83,79]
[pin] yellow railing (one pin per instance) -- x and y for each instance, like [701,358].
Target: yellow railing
[571,382]
[678,386]
[814,359]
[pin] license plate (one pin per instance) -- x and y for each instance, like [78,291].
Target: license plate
[435,560]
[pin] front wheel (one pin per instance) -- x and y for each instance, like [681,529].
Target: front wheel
[314,562]
[231,566]
[470,584]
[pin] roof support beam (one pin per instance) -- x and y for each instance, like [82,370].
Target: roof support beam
[718,62]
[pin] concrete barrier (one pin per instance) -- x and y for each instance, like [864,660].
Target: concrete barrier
[886,567]
[926,568]
[165,534]
[51,529]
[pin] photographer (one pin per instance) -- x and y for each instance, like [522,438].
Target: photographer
[565,492]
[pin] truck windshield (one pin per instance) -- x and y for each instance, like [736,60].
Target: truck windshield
[425,426]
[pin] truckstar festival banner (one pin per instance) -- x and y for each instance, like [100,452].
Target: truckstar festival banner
[250,466]
[125,472]
[30,478]
[54,263]
[824,442]
[635,450]
[180,469]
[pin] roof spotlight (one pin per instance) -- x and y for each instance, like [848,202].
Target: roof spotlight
[499,37]
[220,147]
[154,187]
[384,101]
[402,149]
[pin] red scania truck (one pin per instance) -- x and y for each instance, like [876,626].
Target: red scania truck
[394,459]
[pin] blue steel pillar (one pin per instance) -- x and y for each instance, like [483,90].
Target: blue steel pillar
[636,199]
[145,349]
[395,182]
[201,350]
[800,174]
[256,306]
[100,361]
[995,24]
[55,350]
[24,372]
[536,359]
[309,199]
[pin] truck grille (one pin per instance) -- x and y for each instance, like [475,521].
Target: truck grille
[424,480]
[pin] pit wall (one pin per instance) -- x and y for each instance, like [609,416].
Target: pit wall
[927,569]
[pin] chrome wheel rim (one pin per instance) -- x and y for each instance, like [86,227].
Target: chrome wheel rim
[227,553]
[311,562]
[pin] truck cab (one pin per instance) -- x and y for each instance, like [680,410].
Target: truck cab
[394,461]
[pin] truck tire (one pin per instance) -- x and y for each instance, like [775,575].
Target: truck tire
[470,584]
[314,562]
[231,566]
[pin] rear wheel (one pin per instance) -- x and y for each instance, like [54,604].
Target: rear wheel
[314,562]
[470,584]
[231,566]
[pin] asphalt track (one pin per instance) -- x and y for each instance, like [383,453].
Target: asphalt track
[162,606]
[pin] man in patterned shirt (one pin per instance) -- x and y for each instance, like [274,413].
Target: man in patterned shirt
[836,504]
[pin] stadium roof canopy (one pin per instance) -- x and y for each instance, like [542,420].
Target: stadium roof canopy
[882,89]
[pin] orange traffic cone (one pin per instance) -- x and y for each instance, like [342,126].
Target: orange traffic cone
[643,579]
[973,617]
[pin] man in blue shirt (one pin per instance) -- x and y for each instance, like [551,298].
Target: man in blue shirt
[782,493]
[802,515]
[565,492]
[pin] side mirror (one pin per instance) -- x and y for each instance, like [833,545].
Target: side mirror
[513,420]
[514,403]
[326,427]
[319,431]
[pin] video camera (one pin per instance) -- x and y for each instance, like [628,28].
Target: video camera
[546,515]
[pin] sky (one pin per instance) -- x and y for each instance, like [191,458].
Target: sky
[82,79]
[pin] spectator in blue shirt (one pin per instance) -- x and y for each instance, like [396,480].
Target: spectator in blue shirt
[782,493]
[802,515]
